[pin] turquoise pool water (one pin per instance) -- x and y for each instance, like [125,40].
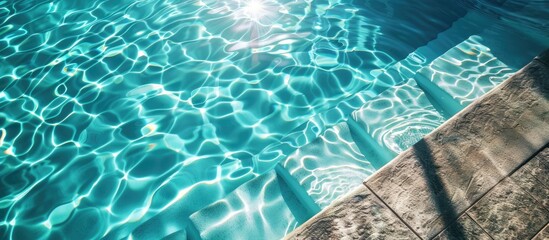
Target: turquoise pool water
[121,119]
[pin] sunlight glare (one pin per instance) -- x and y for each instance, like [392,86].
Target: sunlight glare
[254,9]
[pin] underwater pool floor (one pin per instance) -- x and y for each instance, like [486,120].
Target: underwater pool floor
[190,119]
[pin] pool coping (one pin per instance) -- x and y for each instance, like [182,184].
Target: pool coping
[452,181]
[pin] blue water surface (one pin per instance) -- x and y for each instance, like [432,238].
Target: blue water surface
[117,113]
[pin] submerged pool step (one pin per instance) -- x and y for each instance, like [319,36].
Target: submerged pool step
[398,118]
[402,115]
[383,79]
[378,155]
[460,30]
[333,153]
[341,157]
[320,145]
[329,166]
[255,210]
[465,72]
[445,104]
[179,235]
[398,73]
[305,206]
[327,163]
[273,204]
[173,219]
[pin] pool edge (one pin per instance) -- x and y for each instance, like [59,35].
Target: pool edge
[450,172]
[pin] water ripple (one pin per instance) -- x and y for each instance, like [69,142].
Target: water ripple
[112,112]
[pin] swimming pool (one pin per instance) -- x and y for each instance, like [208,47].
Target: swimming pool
[228,119]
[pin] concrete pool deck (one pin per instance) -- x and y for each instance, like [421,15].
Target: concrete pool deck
[484,174]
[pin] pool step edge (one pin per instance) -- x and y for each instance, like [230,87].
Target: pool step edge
[483,143]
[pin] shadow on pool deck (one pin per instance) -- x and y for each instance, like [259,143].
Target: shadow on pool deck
[456,183]
[441,198]
[542,82]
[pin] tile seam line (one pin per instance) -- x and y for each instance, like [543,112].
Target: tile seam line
[528,159]
[528,192]
[542,227]
[546,64]
[531,195]
[541,183]
[517,167]
[391,209]
[475,221]
[468,108]
[445,226]
[532,158]
[541,230]
[459,213]
[455,118]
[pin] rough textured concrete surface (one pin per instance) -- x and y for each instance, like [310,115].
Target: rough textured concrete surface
[528,181]
[508,212]
[480,175]
[544,57]
[360,215]
[465,228]
[539,167]
[431,184]
[515,118]
[543,234]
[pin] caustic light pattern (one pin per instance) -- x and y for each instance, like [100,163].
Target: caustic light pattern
[113,111]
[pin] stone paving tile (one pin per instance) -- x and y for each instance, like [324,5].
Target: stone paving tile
[543,234]
[508,212]
[544,57]
[539,167]
[430,186]
[359,215]
[464,229]
[511,123]
[529,183]
[442,175]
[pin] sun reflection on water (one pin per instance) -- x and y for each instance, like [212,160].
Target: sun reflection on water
[254,9]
